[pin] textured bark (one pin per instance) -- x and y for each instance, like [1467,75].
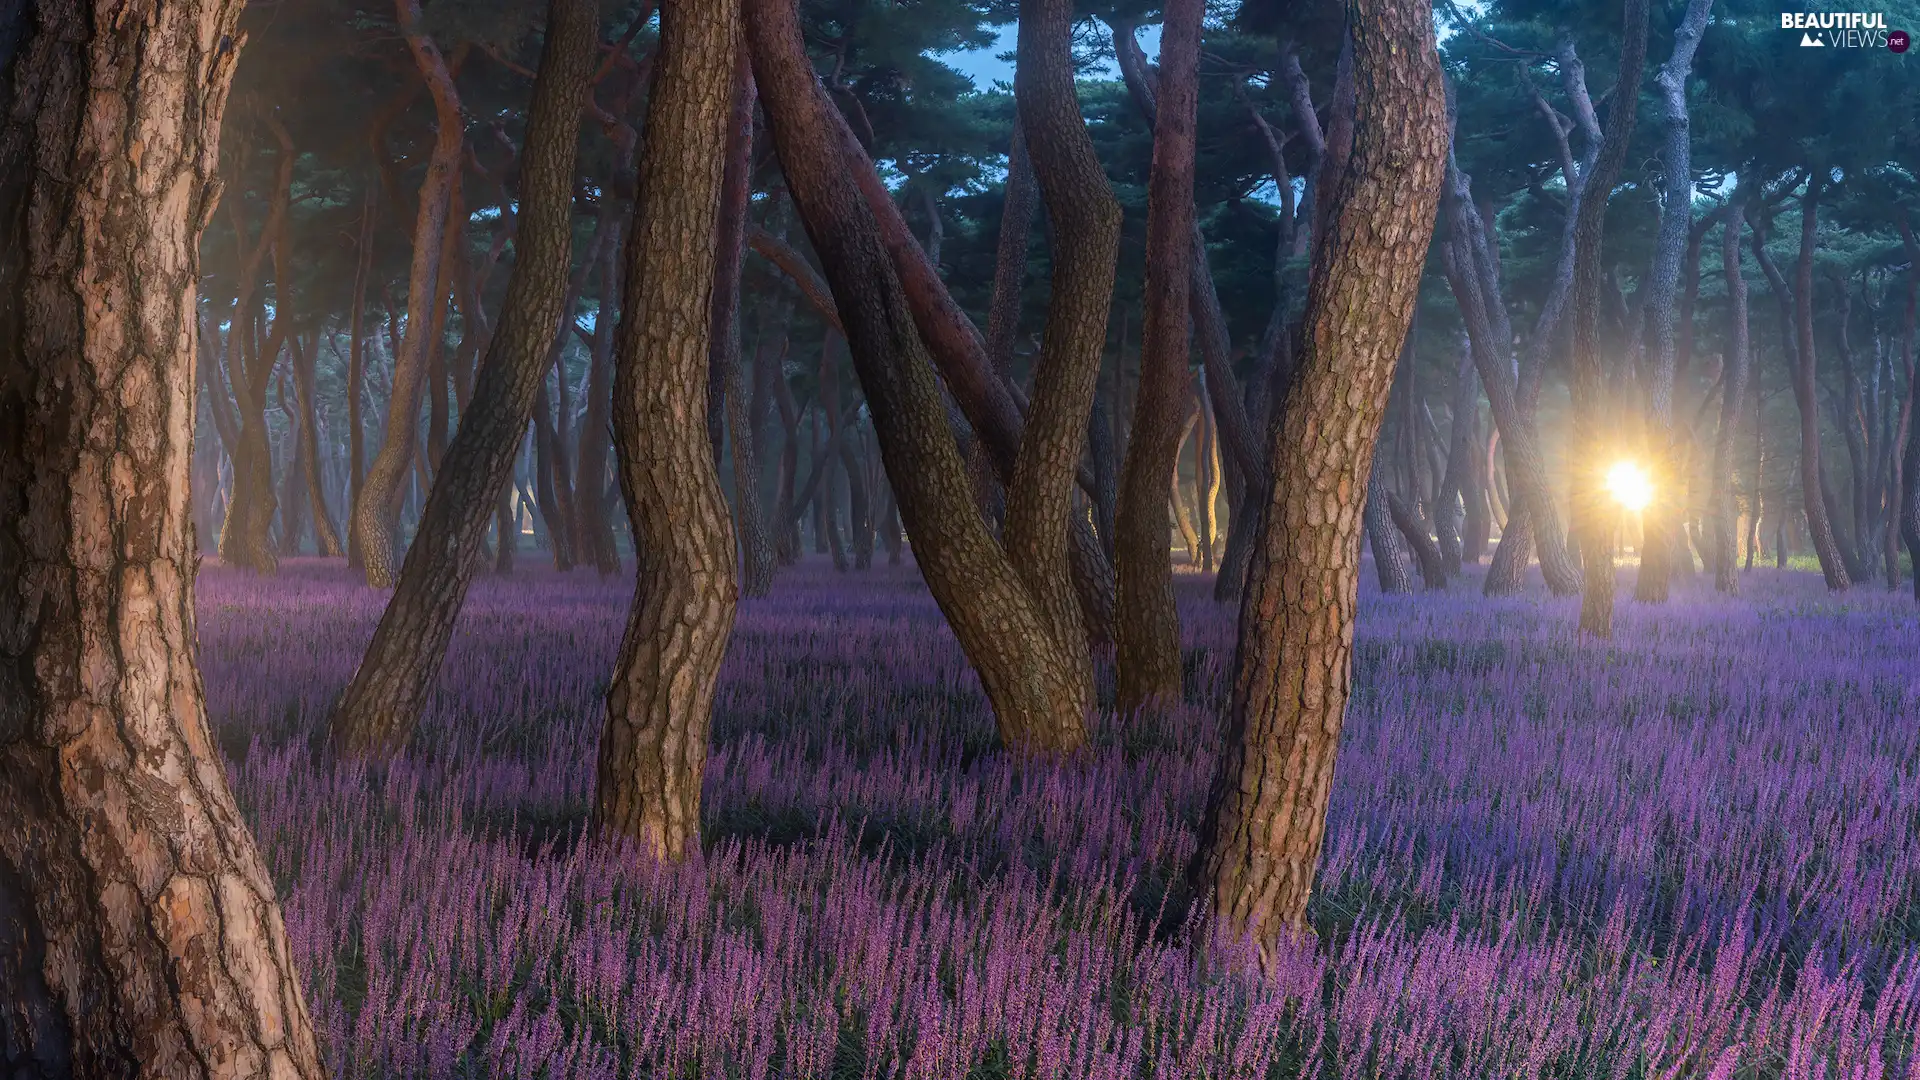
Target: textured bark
[1593,520]
[1010,254]
[139,934]
[750,525]
[1147,627]
[660,704]
[378,711]
[245,535]
[376,514]
[327,537]
[1664,541]
[1389,559]
[1266,816]
[1407,518]
[1030,680]
[1733,392]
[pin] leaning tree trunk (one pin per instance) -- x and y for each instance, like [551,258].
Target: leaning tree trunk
[389,691]
[1389,560]
[1147,626]
[139,933]
[324,533]
[1812,478]
[654,749]
[1593,524]
[1266,815]
[1665,542]
[1034,684]
[376,514]
[1721,542]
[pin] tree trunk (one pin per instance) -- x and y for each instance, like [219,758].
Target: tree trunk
[1593,522]
[438,382]
[1031,680]
[1812,477]
[1021,198]
[1206,480]
[1406,518]
[653,752]
[389,691]
[324,533]
[1733,392]
[139,933]
[750,525]
[548,467]
[1664,541]
[1147,626]
[357,373]
[376,514]
[1266,815]
[1389,560]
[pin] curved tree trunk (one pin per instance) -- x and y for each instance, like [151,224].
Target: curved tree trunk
[1266,815]
[1593,521]
[376,514]
[324,533]
[1665,543]
[139,934]
[378,711]
[660,704]
[1389,561]
[1147,626]
[1032,683]
[756,549]
[1826,546]
[1722,542]
[1406,518]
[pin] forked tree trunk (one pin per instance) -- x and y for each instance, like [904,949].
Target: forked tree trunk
[376,514]
[1593,520]
[139,934]
[378,711]
[1031,680]
[1733,392]
[1407,519]
[660,704]
[1266,816]
[1146,626]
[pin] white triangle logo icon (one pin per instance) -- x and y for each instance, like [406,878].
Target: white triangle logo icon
[1808,41]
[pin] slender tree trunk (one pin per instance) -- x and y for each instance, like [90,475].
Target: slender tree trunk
[1021,198]
[452,241]
[1032,681]
[1206,479]
[1407,519]
[786,518]
[292,503]
[357,373]
[1147,626]
[1805,393]
[750,525]
[653,752]
[378,711]
[1266,816]
[323,530]
[376,514]
[1722,540]
[1594,522]
[139,933]
[547,468]
[1389,561]
[1664,542]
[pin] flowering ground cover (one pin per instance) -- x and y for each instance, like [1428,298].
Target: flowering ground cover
[1694,852]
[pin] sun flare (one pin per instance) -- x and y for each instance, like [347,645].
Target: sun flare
[1630,486]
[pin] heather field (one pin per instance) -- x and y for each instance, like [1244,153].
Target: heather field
[1689,853]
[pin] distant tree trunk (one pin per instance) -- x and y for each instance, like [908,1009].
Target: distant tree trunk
[506,527]
[1147,626]
[1812,477]
[756,548]
[357,373]
[1020,198]
[653,752]
[1103,459]
[1389,561]
[1664,542]
[1722,540]
[139,934]
[786,518]
[1406,518]
[1457,489]
[327,536]
[547,467]
[376,514]
[591,527]
[438,381]
[1593,521]
[1260,840]
[292,503]
[1206,479]
[1039,694]
[378,711]
[859,506]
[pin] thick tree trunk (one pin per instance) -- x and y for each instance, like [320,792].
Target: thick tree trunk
[376,514]
[1147,626]
[1032,682]
[378,711]
[1266,816]
[653,751]
[1664,541]
[1594,521]
[139,934]
[1721,530]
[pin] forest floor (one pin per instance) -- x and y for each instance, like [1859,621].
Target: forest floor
[1687,853]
